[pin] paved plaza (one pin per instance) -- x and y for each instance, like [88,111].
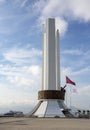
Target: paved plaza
[44,124]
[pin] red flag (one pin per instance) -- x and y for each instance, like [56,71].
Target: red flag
[69,81]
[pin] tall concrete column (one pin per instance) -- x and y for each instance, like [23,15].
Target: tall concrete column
[44,59]
[57,61]
[51,58]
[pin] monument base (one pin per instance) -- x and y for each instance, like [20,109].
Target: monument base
[51,94]
[51,104]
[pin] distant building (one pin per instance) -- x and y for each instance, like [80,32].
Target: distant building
[13,114]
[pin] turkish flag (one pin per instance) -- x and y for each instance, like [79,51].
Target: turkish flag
[69,81]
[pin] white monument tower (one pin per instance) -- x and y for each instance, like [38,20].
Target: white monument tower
[51,97]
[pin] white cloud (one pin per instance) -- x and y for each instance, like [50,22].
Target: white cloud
[26,76]
[24,3]
[66,71]
[23,67]
[39,5]
[84,91]
[78,9]
[19,87]
[21,56]
[16,97]
[52,8]
[72,52]
[63,11]
[70,56]
[82,71]
[20,3]
[35,70]
[62,25]
[87,55]
[82,98]
[72,72]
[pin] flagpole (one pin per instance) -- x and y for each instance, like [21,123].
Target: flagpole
[70,98]
[66,97]
[66,92]
[65,86]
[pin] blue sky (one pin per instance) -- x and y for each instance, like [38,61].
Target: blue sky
[21,50]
